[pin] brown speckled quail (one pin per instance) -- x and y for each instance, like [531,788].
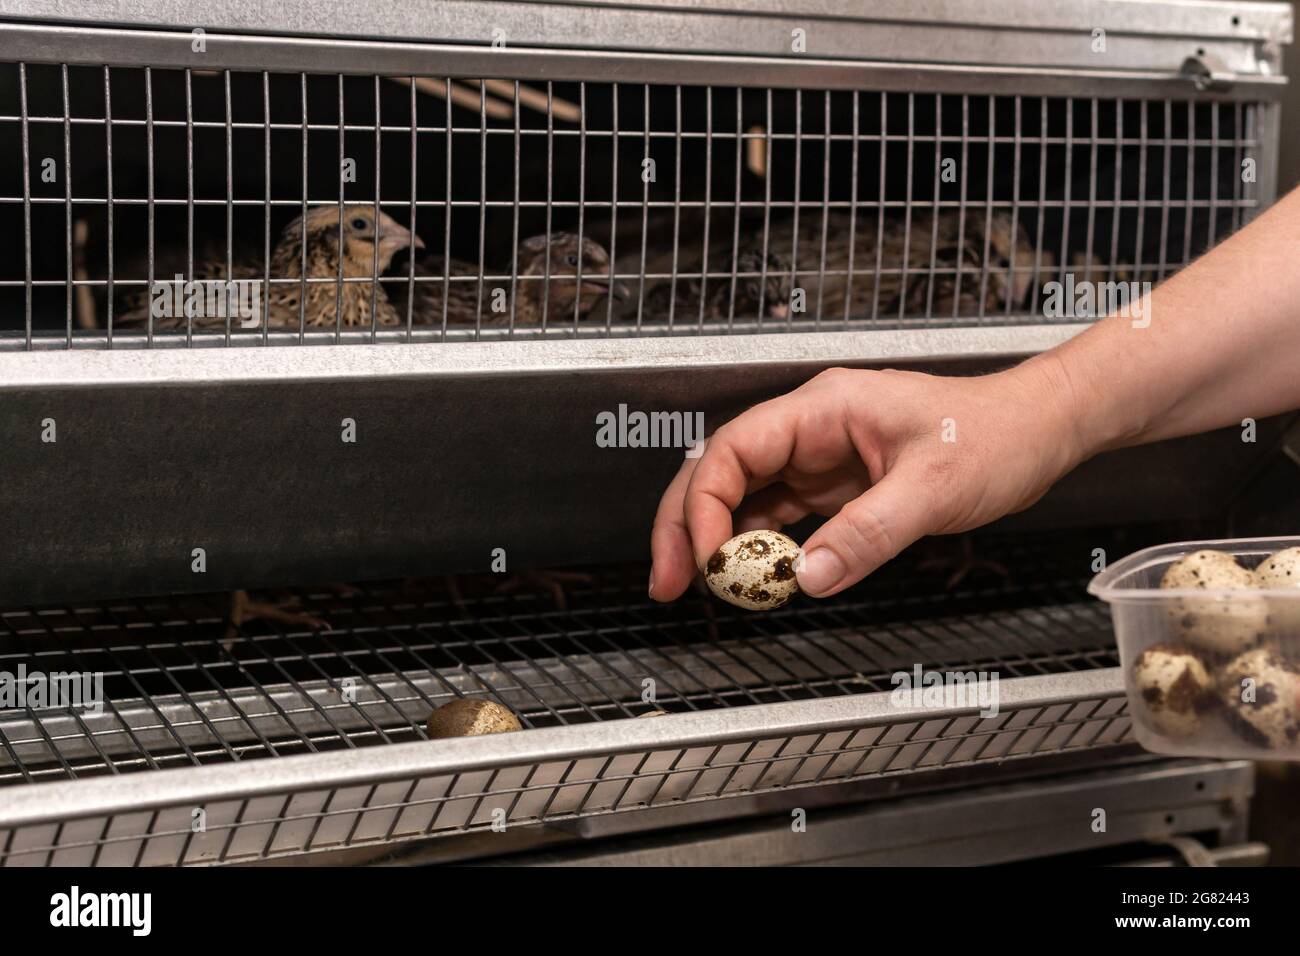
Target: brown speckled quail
[369,244]
[897,246]
[537,297]
[752,287]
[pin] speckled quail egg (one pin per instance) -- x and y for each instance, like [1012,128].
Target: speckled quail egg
[470,717]
[1175,690]
[1223,625]
[754,570]
[1261,690]
[1281,571]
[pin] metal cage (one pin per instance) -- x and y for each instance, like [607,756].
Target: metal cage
[725,192]
[873,203]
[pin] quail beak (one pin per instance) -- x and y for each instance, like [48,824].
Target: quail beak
[778,310]
[393,236]
[601,285]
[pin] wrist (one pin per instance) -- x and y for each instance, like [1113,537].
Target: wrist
[1064,416]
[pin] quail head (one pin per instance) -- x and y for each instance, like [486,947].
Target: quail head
[1009,248]
[579,275]
[762,282]
[369,243]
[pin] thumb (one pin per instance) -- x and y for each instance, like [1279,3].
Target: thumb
[867,532]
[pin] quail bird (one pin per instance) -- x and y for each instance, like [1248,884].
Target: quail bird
[752,288]
[369,244]
[540,291]
[895,247]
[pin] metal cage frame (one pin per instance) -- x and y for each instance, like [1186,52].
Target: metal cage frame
[160,412]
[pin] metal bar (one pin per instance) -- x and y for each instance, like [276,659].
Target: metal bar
[1139,255]
[798,186]
[907,207]
[880,206]
[582,198]
[482,205]
[645,204]
[935,213]
[735,208]
[550,194]
[148,113]
[230,196]
[1015,207]
[853,210]
[1051,52]
[189,199]
[27,204]
[988,200]
[108,202]
[374,246]
[264,316]
[708,201]
[767,209]
[67,201]
[414,209]
[447,217]
[613,198]
[677,207]
[826,198]
[342,159]
[39,803]
[961,211]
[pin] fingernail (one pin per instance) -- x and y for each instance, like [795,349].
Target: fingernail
[819,571]
[650,591]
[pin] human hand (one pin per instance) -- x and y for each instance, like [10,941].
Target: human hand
[889,456]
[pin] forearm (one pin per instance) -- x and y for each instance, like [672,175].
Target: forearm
[1223,344]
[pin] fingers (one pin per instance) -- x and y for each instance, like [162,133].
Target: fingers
[672,564]
[771,509]
[742,457]
[866,533]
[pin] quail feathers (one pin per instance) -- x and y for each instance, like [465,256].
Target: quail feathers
[756,285]
[889,261]
[547,285]
[369,243]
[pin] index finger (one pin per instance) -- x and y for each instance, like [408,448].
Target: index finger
[744,455]
[672,567]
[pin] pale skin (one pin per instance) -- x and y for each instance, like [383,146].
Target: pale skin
[866,448]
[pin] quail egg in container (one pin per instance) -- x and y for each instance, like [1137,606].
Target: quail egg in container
[754,570]
[1261,694]
[1219,624]
[1174,688]
[1280,572]
[1209,642]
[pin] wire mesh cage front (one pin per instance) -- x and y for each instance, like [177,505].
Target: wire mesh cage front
[181,692]
[209,207]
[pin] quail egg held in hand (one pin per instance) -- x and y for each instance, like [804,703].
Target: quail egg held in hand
[754,570]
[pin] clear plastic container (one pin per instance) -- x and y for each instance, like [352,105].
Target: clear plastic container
[1210,670]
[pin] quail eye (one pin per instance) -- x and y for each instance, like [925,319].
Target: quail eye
[572,260]
[358,223]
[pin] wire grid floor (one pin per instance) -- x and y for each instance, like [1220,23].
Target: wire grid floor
[181,693]
[848,196]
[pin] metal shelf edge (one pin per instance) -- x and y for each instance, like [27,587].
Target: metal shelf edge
[106,796]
